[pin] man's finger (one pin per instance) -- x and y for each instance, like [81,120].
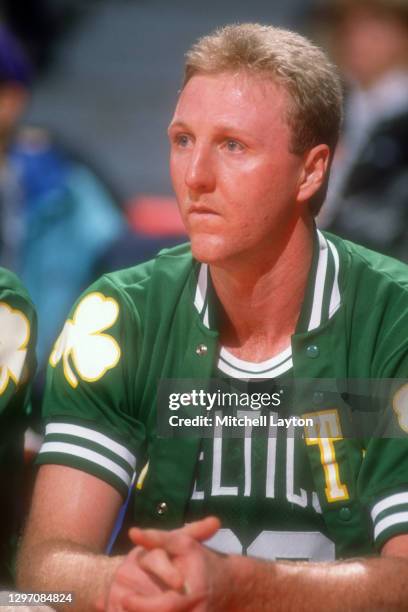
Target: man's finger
[135,579]
[154,538]
[202,530]
[157,563]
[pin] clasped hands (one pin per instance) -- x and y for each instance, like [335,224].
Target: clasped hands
[167,571]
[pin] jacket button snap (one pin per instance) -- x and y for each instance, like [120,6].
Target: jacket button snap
[312,351]
[345,514]
[318,397]
[201,350]
[161,508]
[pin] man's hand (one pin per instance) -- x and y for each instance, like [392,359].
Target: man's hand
[146,580]
[198,566]
[152,578]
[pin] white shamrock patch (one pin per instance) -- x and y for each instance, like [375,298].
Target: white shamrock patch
[14,337]
[400,405]
[92,352]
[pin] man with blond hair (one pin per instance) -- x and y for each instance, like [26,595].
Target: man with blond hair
[263,301]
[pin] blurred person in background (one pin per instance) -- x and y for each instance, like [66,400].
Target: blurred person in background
[368,193]
[56,217]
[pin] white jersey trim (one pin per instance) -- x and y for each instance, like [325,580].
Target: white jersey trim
[251,366]
[390,521]
[316,314]
[239,368]
[388,502]
[65,448]
[94,436]
[326,288]
[201,290]
[335,299]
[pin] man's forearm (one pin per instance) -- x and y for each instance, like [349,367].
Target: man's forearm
[372,585]
[63,566]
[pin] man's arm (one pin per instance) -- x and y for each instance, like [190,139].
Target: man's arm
[71,519]
[241,583]
[70,523]
[373,585]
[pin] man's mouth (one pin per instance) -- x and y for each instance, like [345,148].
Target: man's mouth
[201,209]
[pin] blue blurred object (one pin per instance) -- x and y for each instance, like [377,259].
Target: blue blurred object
[68,221]
[15,67]
[42,169]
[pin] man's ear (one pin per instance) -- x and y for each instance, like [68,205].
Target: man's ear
[315,167]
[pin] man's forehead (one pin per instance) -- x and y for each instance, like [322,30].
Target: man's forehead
[224,95]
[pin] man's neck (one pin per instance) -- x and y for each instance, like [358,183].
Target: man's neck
[261,300]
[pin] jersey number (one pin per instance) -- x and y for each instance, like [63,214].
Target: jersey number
[277,545]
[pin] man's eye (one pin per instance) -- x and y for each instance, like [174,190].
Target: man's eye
[182,140]
[234,146]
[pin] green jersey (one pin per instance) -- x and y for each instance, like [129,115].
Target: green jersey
[17,365]
[300,494]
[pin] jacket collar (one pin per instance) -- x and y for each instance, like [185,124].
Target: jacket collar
[322,296]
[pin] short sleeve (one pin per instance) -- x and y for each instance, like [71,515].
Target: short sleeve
[384,474]
[17,367]
[89,405]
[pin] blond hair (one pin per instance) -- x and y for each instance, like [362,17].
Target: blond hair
[314,113]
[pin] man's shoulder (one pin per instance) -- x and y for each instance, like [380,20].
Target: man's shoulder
[365,268]
[174,260]
[14,294]
[18,333]
[375,296]
[10,282]
[131,286]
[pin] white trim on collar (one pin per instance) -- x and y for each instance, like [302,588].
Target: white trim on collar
[326,250]
[318,294]
[335,298]
[270,368]
[251,366]
[323,283]
[201,289]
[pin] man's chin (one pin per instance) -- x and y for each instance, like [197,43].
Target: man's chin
[208,248]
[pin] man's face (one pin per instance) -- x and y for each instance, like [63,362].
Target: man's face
[235,180]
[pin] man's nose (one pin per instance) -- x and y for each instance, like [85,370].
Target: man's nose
[200,177]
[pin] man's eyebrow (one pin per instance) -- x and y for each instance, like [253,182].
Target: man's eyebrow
[177,123]
[217,128]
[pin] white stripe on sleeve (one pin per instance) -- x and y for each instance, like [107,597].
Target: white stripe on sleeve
[91,456]
[388,502]
[390,521]
[94,436]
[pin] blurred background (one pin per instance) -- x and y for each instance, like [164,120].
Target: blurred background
[87,88]
[113,69]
